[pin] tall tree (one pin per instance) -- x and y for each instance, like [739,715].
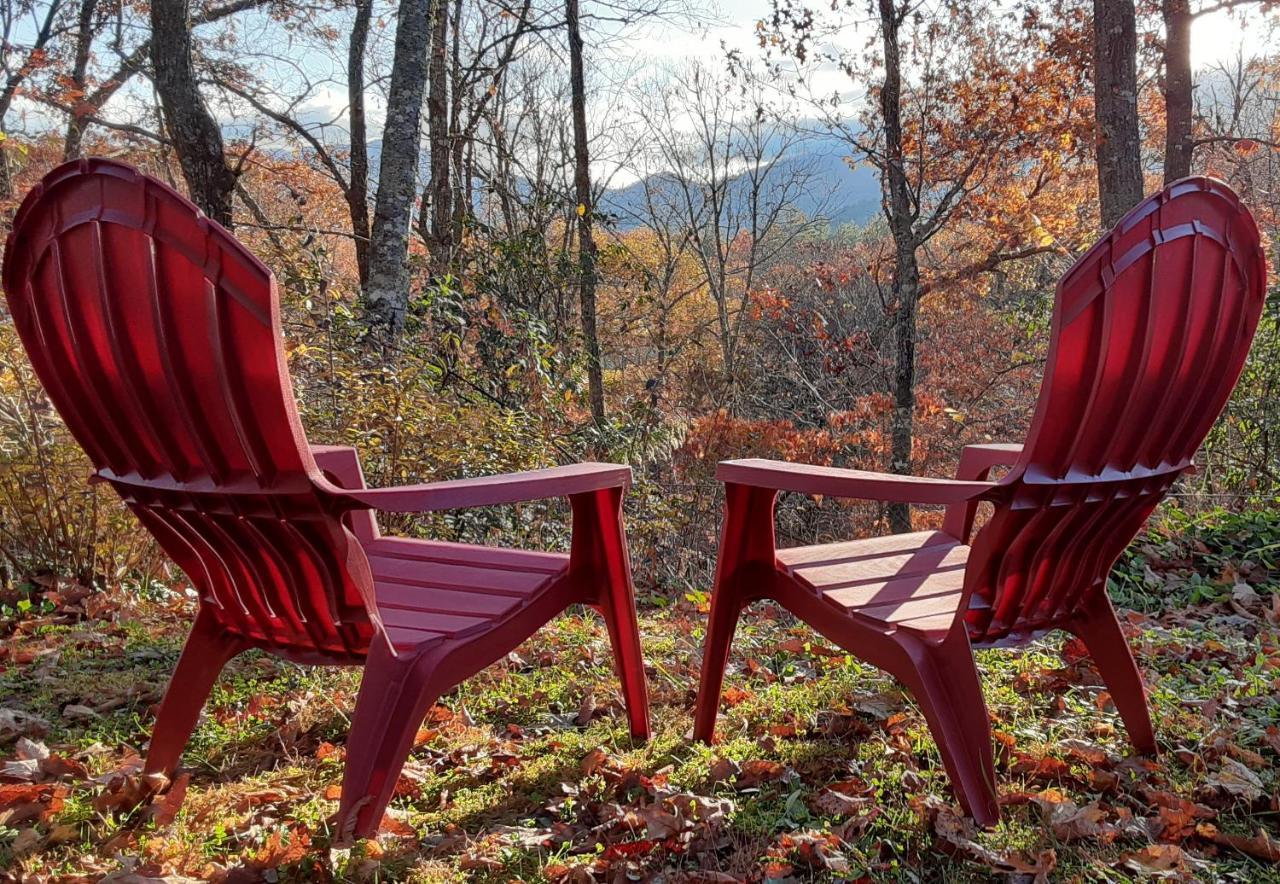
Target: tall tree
[19,58]
[1115,65]
[387,292]
[1177,89]
[731,174]
[192,129]
[586,211]
[1179,85]
[85,33]
[438,222]
[962,95]
[472,49]
[357,191]
[81,92]
[900,214]
[351,177]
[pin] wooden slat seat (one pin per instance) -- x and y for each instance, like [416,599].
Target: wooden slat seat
[431,589]
[913,581]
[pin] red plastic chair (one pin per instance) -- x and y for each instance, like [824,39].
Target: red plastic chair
[1151,328]
[157,336]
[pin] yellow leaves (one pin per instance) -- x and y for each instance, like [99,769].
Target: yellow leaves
[1042,236]
[582,209]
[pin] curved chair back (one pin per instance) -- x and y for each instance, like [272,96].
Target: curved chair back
[157,337]
[1151,328]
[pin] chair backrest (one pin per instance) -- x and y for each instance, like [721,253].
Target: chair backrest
[157,337]
[1151,328]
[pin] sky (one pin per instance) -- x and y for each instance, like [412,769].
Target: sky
[1214,38]
[731,24]
[723,24]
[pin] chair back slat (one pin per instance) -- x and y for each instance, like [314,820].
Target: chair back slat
[1151,329]
[157,337]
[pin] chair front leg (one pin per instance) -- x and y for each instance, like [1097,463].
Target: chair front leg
[600,560]
[1098,627]
[747,546]
[206,652]
[944,680]
[396,691]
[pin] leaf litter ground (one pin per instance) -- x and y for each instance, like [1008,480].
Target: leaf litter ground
[823,771]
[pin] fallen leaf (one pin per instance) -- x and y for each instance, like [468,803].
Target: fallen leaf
[1236,780]
[1155,859]
[1262,846]
[723,769]
[16,723]
[596,759]
[26,842]
[165,810]
[77,712]
[27,749]
[1069,822]
[753,773]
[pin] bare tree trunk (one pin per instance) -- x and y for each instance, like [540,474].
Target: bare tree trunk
[387,294]
[1177,89]
[439,237]
[76,124]
[461,142]
[192,129]
[586,240]
[358,189]
[906,267]
[1115,86]
[10,89]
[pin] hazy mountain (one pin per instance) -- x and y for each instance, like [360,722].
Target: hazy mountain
[827,188]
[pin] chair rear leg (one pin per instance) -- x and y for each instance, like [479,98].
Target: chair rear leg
[395,694]
[746,557]
[624,636]
[206,652]
[600,559]
[726,606]
[1098,627]
[947,687]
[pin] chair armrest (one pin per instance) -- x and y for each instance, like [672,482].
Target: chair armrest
[837,482]
[341,462]
[977,460]
[565,481]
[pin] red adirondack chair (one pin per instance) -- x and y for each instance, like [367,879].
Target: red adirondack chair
[1150,331]
[157,336]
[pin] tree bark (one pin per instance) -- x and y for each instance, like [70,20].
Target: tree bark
[358,187]
[1177,89]
[459,141]
[906,267]
[1115,82]
[439,196]
[71,143]
[585,210]
[10,90]
[387,294]
[192,129]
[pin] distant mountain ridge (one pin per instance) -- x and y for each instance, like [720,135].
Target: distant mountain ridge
[833,191]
